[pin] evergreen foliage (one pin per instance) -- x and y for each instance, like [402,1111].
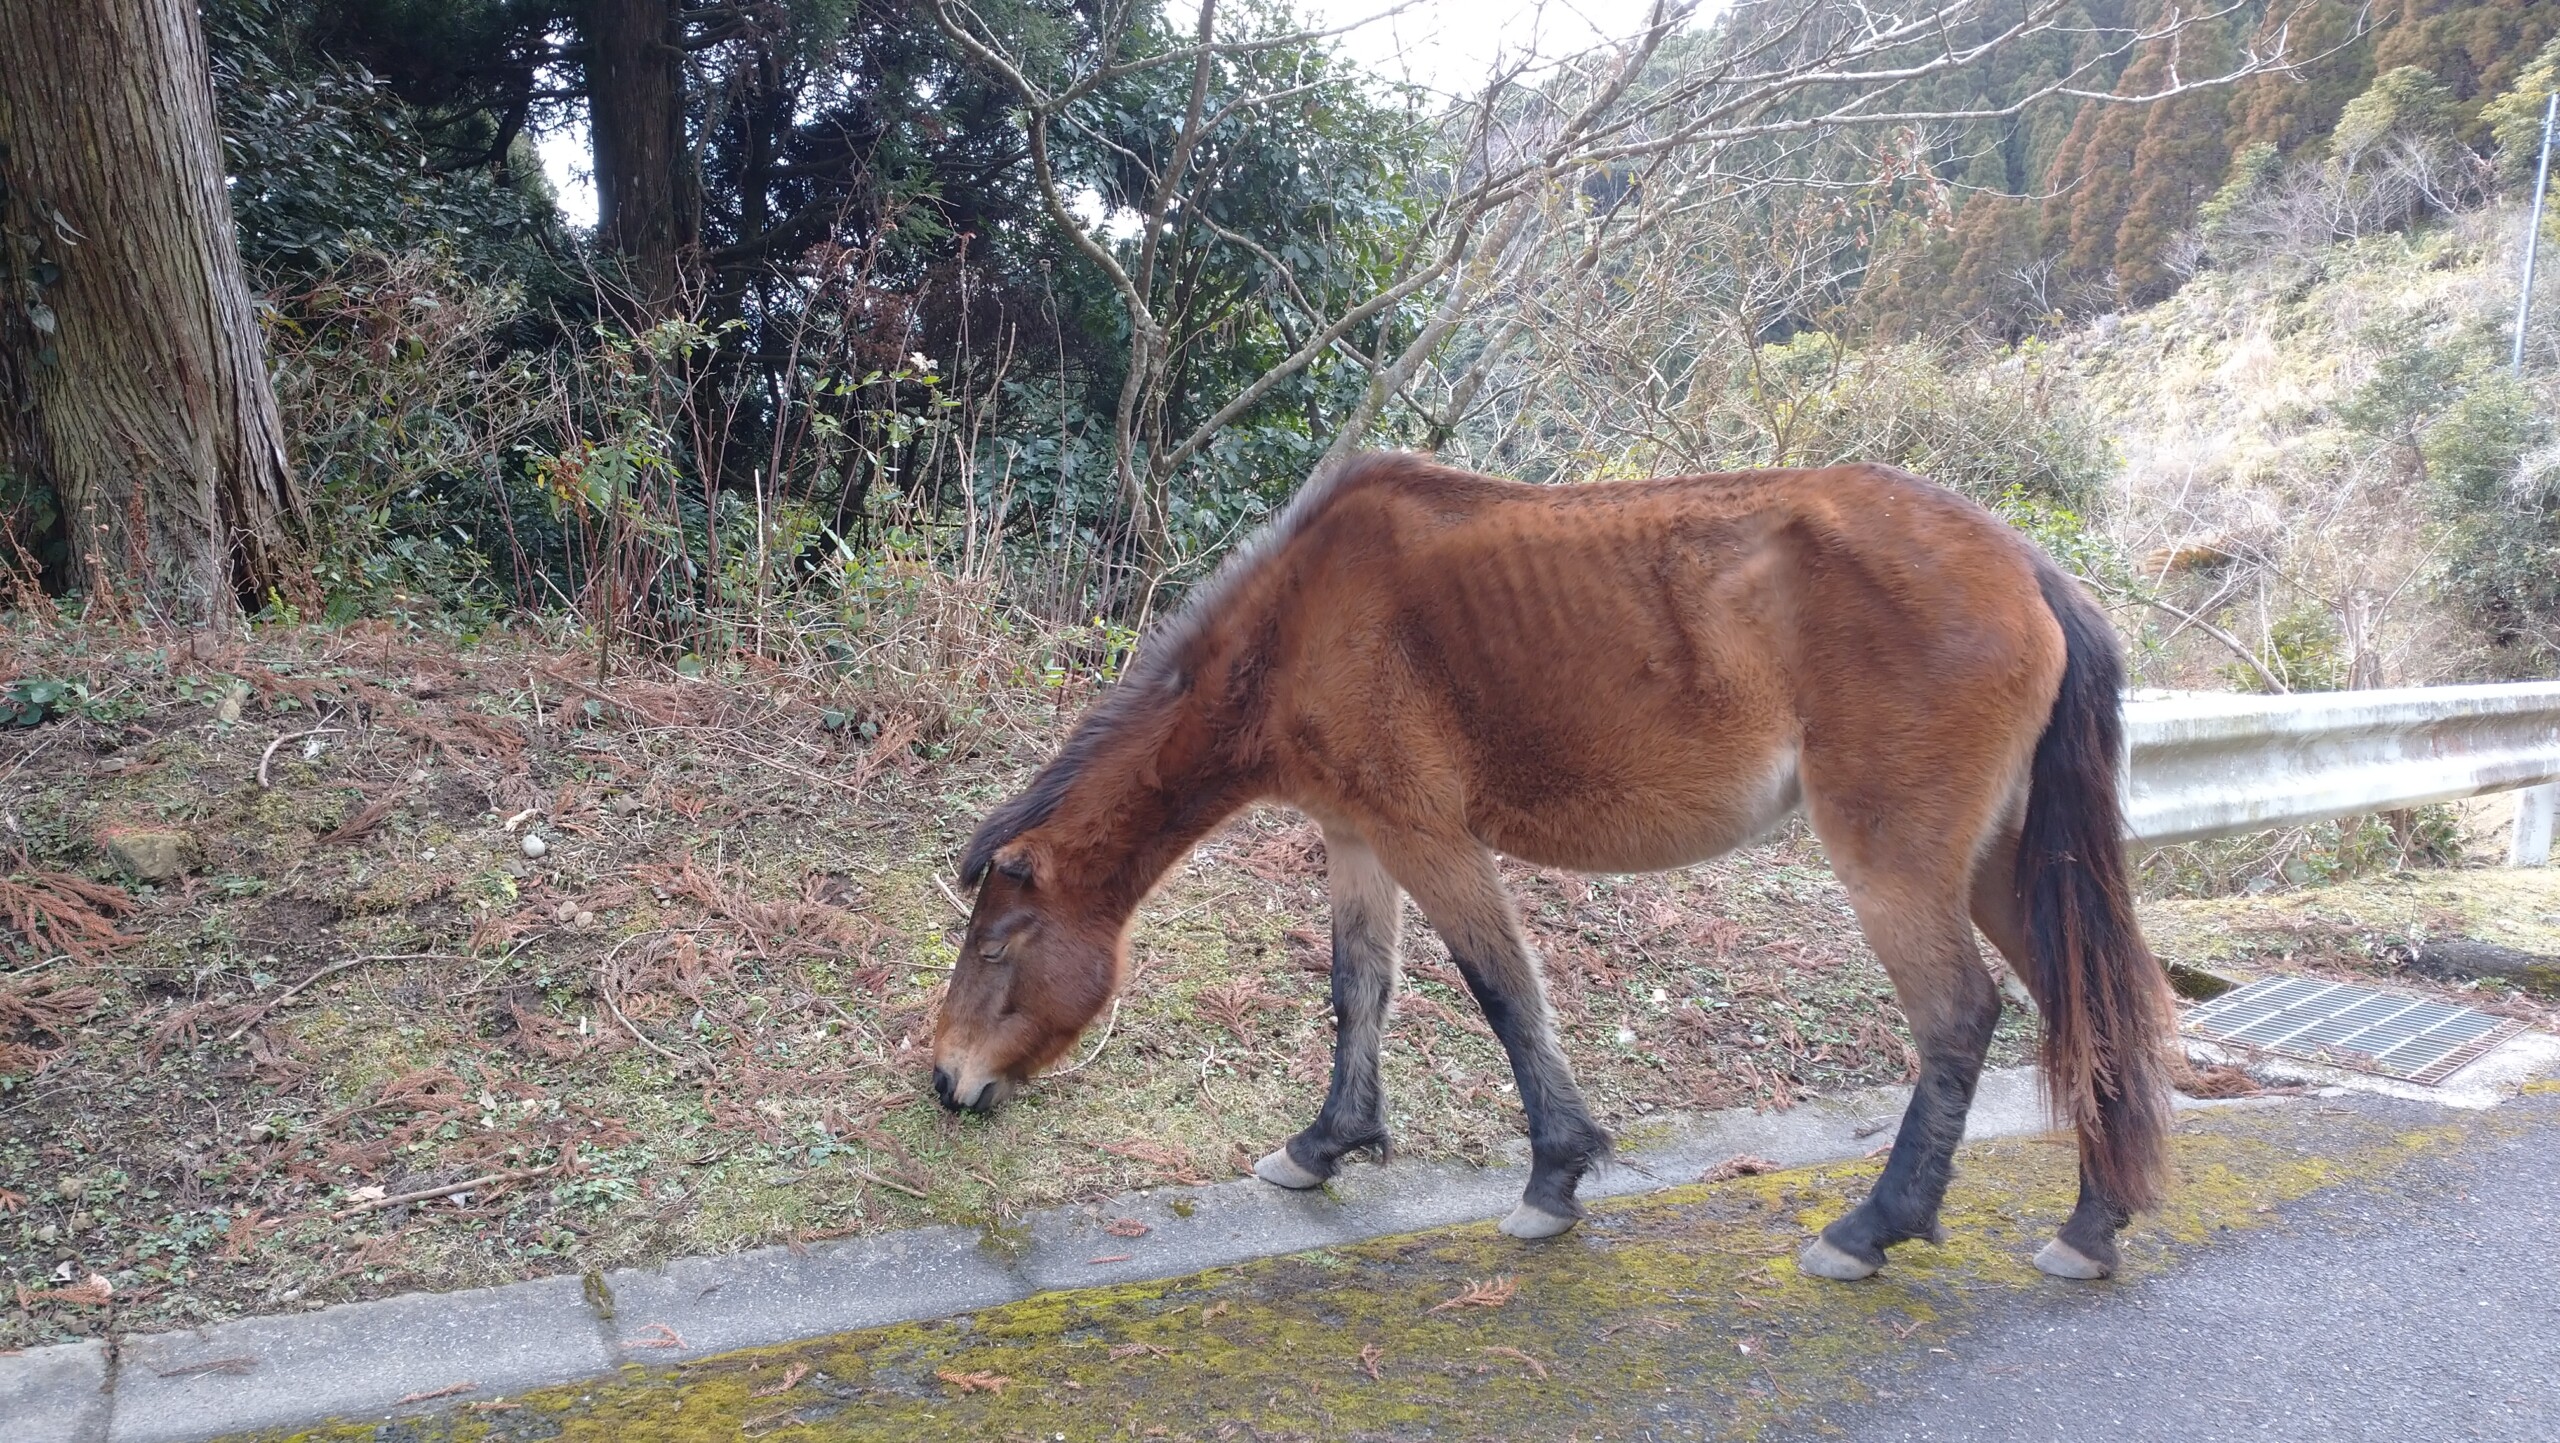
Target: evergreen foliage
[2514,119]
[2119,191]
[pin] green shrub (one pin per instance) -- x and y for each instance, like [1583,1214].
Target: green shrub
[2006,433]
[2514,119]
[2306,856]
[2498,483]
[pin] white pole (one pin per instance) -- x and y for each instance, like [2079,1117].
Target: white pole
[2531,844]
[2533,236]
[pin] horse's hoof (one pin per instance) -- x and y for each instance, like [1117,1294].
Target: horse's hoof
[1527,1221]
[1820,1259]
[2062,1260]
[1282,1170]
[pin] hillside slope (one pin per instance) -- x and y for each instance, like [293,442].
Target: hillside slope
[2285,434]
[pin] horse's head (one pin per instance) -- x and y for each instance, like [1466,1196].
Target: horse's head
[1035,969]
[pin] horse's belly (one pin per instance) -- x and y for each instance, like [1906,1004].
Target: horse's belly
[1653,817]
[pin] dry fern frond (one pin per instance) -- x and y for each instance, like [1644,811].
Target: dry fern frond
[1492,1292]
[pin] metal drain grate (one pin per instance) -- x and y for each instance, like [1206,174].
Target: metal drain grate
[2390,1033]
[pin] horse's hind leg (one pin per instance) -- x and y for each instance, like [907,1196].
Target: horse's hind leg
[2086,1246]
[1367,921]
[1461,892]
[1918,926]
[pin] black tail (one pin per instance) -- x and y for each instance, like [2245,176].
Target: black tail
[2108,1020]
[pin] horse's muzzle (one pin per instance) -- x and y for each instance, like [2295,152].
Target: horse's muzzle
[981,1097]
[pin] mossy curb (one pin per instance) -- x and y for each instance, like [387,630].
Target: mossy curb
[1683,1303]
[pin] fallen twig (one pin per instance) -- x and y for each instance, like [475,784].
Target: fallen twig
[1534,1365]
[658,1335]
[269,755]
[791,1377]
[604,984]
[235,1366]
[447,1391]
[366,818]
[1492,1292]
[802,772]
[333,969]
[377,1204]
[867,1175]
[953,897]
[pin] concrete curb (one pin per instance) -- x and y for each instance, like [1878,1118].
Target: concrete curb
[56,1393]
[377,1359]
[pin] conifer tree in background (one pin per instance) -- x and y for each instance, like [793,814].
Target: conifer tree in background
[2293,111]
[2117,189]
[2514,120]
[647,210]
[2476,49]
[2178,163]
[1997,280]
[130,356]
[2091,184]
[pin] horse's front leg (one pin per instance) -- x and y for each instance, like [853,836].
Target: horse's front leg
[1367,924]
[1462,893]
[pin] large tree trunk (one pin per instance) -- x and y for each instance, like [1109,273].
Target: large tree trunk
[635,118]
[150,411]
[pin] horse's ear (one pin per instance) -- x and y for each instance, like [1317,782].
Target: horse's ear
[980,854]
[993,850]
[1014,861]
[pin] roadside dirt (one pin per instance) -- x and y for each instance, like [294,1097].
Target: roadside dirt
[357,1041]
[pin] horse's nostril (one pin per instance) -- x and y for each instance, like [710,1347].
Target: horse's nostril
[942,1087]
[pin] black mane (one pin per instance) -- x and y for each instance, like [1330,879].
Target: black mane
[1162,669]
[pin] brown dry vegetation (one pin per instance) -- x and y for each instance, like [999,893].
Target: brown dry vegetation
[698,1021]
[363,1043]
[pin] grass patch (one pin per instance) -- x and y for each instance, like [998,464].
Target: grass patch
[698,1021]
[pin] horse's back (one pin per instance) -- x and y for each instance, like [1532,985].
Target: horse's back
[1630,674]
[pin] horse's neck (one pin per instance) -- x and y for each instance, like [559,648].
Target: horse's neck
[1148,805]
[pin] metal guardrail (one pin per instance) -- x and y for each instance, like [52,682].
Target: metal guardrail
[2214,765]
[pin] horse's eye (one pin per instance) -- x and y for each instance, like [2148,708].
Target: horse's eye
[992,951]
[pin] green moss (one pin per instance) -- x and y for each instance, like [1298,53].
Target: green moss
[1687,1296]
[1006,1245]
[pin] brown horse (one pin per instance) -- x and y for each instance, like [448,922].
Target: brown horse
[1438,666]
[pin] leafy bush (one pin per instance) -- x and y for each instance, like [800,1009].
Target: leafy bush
[2514,119]
[2404,103]
[2305,651]
[2004,433]
[2498,481]
[407,416]
[325,162]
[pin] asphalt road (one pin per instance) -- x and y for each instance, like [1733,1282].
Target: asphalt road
[2426,1309]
